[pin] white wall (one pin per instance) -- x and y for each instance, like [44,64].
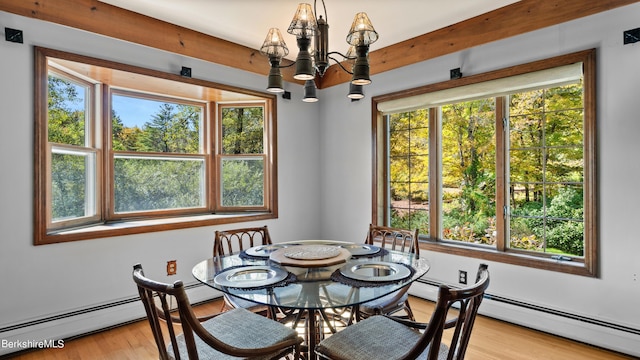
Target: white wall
[613,296]
[324,158]
[42,281]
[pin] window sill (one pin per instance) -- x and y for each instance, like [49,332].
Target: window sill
[510,257]
[140,226]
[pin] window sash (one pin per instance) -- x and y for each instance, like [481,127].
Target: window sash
[203,139]
[91,203]
[237,202]
[161,186]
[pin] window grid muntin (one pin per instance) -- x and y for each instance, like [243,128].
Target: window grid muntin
[417,121]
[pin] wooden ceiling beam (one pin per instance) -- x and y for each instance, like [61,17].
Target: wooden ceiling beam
[515,19]
[101,18]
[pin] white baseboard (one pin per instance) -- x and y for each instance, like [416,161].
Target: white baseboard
[586,332]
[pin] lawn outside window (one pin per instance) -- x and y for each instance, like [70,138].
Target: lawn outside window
[498,166]
[122,150]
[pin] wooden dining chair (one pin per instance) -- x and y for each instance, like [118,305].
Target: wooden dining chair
[233,334]
[391,338]
[394,239]
[227,242]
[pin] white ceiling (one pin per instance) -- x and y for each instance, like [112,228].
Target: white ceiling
[246,22]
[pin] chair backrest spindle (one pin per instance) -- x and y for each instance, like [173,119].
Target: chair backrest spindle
[236,240]
[394,239]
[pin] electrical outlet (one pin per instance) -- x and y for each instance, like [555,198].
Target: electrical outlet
[172,267]
[462,277]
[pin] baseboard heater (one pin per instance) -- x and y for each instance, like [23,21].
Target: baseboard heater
[85,311]
[550,311]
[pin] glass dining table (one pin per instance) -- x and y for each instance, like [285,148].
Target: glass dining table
[312,282]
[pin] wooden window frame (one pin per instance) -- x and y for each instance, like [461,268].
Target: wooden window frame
[154,83]
[587,266]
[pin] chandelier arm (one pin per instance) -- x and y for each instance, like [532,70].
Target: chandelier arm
[341,54]
[341,66]
[286,66]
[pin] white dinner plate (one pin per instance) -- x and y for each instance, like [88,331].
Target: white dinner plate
[361,249]
[251,276]
[265,250]
[375,271]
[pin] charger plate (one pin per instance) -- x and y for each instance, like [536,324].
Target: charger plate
[250,276]
[265,250]
[376,271]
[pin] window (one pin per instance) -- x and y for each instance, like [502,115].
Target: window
[499,166]
[73,152]
[242,163]
[159,157]
[123,150]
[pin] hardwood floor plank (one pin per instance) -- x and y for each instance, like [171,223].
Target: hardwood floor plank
[491,340]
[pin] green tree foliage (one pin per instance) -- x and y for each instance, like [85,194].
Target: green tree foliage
[243,182]
[562,226]
[125,138]
[66,111]
[468,153]
[68,186]
[243,130]
[175,128]
[154,184]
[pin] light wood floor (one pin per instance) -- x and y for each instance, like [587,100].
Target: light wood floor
[491,339]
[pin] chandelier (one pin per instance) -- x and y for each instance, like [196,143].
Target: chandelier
[308,29]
